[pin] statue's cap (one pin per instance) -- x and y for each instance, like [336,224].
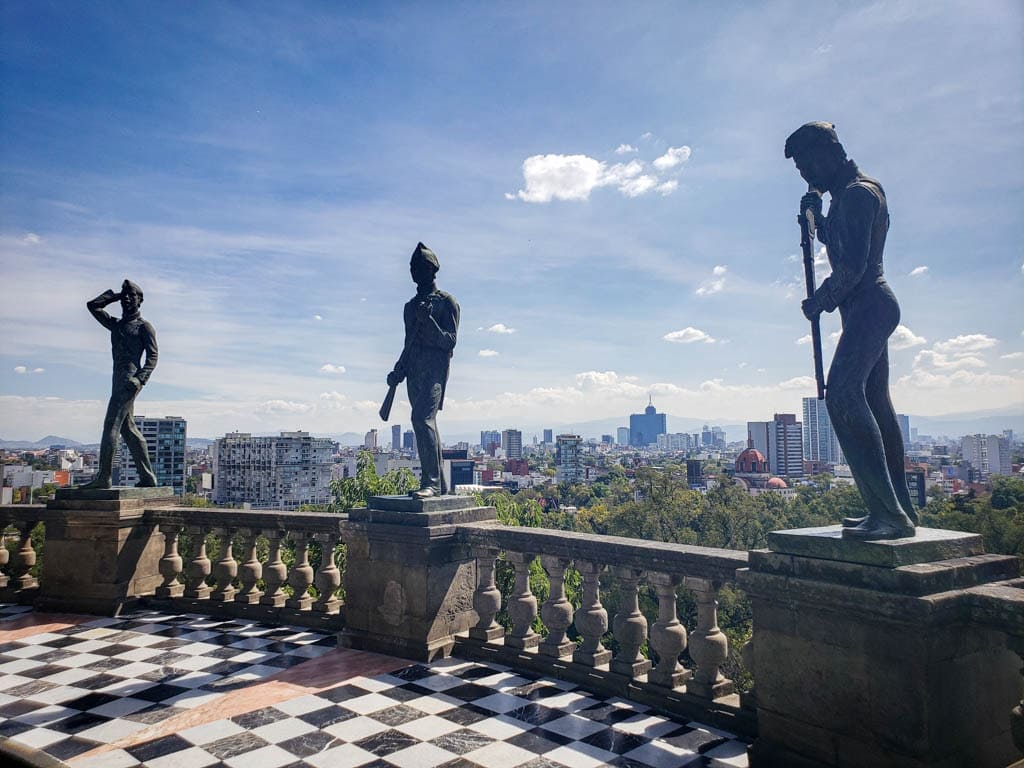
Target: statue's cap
[128,286]
[811,136]
[422,253]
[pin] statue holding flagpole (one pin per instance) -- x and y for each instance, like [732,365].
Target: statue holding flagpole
[857,390]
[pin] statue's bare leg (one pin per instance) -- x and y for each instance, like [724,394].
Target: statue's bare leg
[108,442]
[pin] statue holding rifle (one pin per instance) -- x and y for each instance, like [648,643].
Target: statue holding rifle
[431,327]
[857,390]
[130,338]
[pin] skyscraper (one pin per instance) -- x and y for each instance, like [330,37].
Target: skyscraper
[409,441]
[272,472]
[622,436]
[548,436]
[512,443]
[904,421]
[396,437]
[645,427]
[568,467]
[780,441]
[370,440]
[489,437]
[165,443]
[820,441]
[988,454]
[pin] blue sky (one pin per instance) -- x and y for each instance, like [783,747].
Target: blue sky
[604,185]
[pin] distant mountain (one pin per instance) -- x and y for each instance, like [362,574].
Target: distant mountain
[43,442]
[954,425]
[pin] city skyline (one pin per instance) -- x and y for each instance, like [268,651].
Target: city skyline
[607,197]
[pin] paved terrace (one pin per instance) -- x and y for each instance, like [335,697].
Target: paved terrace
[158,688]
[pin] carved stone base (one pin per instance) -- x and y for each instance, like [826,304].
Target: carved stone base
[523,643]
[589,659]
[865,652]
[409,580]
[557,650]
[486,635]
[712,691]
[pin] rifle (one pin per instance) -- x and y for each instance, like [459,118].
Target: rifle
[389,398]
[807,230]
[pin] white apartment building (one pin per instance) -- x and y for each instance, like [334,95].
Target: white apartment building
[272,472]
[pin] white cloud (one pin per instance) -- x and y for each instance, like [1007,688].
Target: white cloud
[317,317]
[688,335]
[918,271]
[283,406]
[38,370]
[574,177]
[673,157]
[904,338]
[332,368]
[965,344]
[940,360]
[24,370]
[798,382]
[487,353]
[647,135]
[1012,356]
[32,239]
[716,283]
[804,339]
[20,369]
[332,397]
[625,149]
[500,328]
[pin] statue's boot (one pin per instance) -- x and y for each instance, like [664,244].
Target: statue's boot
[146,482]
[426,493]
[875,529]
[99,484]
[853,522]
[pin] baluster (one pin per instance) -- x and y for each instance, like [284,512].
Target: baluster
[591,618]
[486,597]
[522,605]
[25,557]
[250,571]
[5,555]
[225,569]
[170,565]
[199,566]
[557,610]
[630,626]
[301,575]
[328,578]
[709,647]
[274,572]
[668,636]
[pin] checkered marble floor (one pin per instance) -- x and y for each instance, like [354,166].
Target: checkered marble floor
[156,690]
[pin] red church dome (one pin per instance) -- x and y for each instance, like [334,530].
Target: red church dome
[776,484]
[751,462]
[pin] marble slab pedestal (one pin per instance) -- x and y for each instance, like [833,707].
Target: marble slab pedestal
[864,653]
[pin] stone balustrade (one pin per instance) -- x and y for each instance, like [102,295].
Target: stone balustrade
[630,565]
[17,554]
[258,582]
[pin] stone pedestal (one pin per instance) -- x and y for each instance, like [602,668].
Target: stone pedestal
[408,582]
[99,555]
[865,654]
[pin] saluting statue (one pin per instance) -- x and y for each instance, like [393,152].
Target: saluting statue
[857,391]
[431,328]
[130,337]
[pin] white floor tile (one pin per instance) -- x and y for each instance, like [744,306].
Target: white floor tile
[500,727]
[70,676]
[427,728]
[270,756]
[658,754]
[648,726]
[207,733]
[283,730]
[191,699]
[121,707]
[500,755]
[573,726]
[580,755]
[193,757]
[371,702]
[434,704]
[356,728]
[420,756]
[116,758]
[46,715]
[732,753]
[302,704]
[500,702]
[40,737]
[345,756]
[112,731]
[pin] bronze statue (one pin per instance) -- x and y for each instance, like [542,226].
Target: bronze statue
[129,338]
[431,328]
[857,390]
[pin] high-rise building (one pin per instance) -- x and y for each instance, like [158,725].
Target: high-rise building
[988,454]
[677,441]
[622,435]
[396,437]
[272,472]
[645,427]
[607,440]
[780,441]
[548,436]
[165,443]
[568,466]
[694,473]
[904,422]
[512,443]
[409,441]
[820,441]
[706,437]
[370,440]
[488,438]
